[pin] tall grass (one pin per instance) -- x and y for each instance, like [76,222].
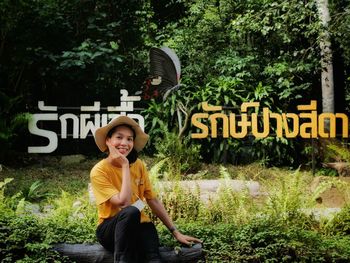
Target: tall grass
[179,155]
[285,196]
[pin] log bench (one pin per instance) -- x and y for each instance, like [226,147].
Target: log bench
[95,253]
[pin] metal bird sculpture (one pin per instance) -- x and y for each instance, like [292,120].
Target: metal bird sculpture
[165,73]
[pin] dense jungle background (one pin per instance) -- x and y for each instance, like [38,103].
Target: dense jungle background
[72,53]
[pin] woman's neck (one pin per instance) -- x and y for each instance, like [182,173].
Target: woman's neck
[111,162]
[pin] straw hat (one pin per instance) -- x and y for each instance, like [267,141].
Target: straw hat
[140,140]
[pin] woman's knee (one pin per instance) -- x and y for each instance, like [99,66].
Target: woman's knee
[130,213]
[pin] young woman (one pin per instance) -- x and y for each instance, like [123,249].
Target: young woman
[121,186]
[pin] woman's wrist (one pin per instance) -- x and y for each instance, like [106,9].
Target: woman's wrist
[125,166]
[172,229]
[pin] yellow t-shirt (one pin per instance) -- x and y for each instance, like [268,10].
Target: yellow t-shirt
[106,181]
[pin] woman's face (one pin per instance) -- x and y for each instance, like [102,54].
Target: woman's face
[122,139]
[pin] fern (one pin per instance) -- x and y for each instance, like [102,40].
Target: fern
[180,155]
[337,152]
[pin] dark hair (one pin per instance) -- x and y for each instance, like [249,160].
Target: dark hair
[133,155]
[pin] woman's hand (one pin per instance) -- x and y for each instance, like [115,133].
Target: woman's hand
[184,239]
[123,198]
[159,210]
[116,157]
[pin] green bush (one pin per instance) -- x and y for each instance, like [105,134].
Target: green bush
[230,206]
[263,240]
[180,155]
[181,203]
[340,224]
[26,237]
[338,152]
[22,239]
[72,220]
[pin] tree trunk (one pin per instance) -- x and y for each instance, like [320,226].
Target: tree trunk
[326,59]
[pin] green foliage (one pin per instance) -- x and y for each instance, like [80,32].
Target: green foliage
[74,41]
[180,203]
[340,32]
[71,221]
[338,152]
[91,55]
[235,52]
[231,52]
[12,125]
[327,172]
[3,205]
[26,237]
[274,151]
[231,207]
[234,226]
[287,197]
[22,239]
[340,224]
[22,236]
[89,50]
[157,125]
[35,192]
[217,238]
[263,240]
[180,155]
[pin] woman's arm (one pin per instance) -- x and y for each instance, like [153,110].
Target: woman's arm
[123,198]
[159,210]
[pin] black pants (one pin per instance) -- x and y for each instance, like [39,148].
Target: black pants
[129,240]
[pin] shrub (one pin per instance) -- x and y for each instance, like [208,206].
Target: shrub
[263,240]
[179,154]
[180,203]
[217,238]
[22,236]
[72,220]
[26,238]
[287,196]
[231,206]
[338,152]
[340,224]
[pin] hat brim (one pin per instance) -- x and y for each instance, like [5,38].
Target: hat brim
[140,140]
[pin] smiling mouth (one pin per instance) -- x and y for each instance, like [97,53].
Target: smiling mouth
[122,150]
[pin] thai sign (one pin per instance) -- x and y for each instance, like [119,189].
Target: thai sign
[306,124]
[83,124]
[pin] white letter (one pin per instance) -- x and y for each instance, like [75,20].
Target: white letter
[52,136]
[63,120]
[85,127]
